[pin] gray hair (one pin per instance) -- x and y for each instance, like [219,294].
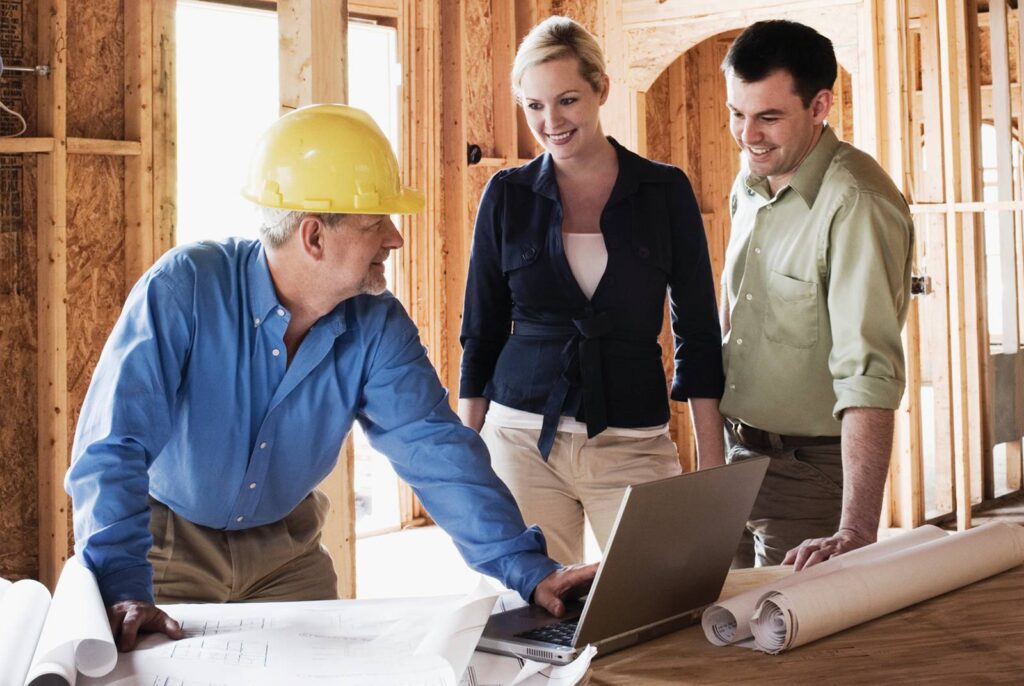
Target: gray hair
[278,225]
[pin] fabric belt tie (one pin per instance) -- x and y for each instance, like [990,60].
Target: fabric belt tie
[581,366]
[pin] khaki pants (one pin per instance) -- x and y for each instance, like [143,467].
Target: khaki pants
[279,561]
[801,497]
[581,476]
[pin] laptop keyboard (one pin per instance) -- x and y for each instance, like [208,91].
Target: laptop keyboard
[559,634]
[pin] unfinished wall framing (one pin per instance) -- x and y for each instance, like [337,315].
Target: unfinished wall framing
[88,200]
[83,229]
[913,92]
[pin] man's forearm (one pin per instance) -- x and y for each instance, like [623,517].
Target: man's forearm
[867,446]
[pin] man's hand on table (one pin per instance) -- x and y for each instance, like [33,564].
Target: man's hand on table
[815,550]
[566,583]
[129,617]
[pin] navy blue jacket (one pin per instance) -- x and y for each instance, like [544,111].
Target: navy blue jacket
[531,339]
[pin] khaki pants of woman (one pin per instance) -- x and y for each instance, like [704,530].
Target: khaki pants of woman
[278,561]
[581,476]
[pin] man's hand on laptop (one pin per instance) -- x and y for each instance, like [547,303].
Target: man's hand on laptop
[567,583]
[129,617]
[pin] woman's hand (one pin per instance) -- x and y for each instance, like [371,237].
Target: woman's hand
[472,412]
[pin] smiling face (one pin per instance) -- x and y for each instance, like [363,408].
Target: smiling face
[773,128]
[355,254]
[562,108]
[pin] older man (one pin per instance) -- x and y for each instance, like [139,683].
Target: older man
[816,290]
[234,373]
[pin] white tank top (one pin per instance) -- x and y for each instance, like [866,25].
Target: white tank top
[588,258]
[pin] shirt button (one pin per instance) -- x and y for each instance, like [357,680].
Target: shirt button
[644,253]
[732,387]
[739,341]
[239,519]
[757,251]
[749,296]
[257,321]
[280,312]
[252,486]
[263,445]
[275,352]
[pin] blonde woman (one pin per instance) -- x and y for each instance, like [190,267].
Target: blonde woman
[572,257]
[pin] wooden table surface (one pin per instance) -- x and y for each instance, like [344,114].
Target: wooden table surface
[971,636]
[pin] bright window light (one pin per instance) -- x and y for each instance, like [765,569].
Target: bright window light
[227,92]
[227,95]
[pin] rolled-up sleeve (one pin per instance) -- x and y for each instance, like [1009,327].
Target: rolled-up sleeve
[486,315]
[406,416]
[695,325]
[868,261]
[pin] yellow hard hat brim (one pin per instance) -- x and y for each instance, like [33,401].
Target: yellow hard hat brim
[410,201]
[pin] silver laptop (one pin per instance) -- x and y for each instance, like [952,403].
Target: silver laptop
[666,560]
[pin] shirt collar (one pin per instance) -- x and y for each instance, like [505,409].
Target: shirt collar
[811,172]
[539,174]
[263,297]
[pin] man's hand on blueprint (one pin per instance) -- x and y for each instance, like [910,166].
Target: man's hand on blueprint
[129,617]
[566,583]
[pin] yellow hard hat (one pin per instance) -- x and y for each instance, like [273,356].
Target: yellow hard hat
[328,158]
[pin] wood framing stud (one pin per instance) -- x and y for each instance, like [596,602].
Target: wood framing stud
[51,278]
[313,69]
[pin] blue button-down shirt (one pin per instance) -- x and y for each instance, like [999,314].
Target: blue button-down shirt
[194,401]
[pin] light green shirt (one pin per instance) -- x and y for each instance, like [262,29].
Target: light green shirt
[818,285]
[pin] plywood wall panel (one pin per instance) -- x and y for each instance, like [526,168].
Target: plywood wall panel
[18,466]
[652,47]
[18,471]
[583,11]
[476,178]
[659,120]
[17,45]
[691,103]
[18,432]
[96,71]
[95,265]
[478,82]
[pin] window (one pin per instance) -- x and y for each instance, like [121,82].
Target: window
[226,97]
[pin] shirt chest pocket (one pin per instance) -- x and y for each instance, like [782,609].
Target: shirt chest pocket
[792,314]
[529,277]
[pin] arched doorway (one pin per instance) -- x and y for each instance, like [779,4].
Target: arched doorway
[686,123]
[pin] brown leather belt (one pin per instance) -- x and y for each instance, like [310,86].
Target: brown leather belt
[765,440]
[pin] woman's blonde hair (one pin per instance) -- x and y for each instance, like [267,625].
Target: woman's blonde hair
[554,38]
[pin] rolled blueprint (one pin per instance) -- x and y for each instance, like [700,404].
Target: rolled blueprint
[729,621]
[805,612]
[22,613]
[76,635]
